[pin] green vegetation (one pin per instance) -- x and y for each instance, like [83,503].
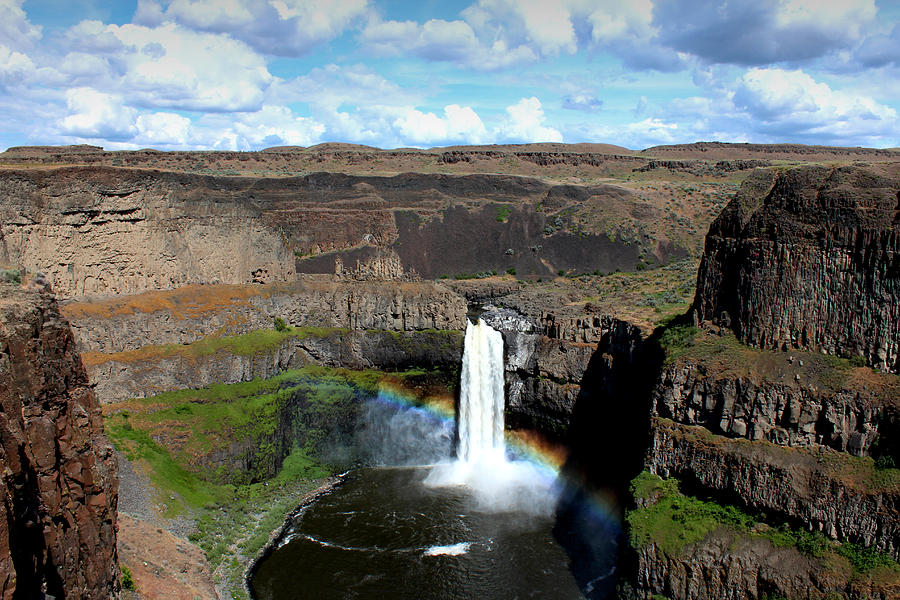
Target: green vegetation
[503,213]
[127,579]
[673,520]
[215,454]
[677,339]
[479,275]
[280,325]
[511,271]
[11,275]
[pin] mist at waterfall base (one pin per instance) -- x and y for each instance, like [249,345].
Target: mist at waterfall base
[442,511]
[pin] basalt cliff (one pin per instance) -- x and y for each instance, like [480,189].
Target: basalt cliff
[59,488]
[809,258]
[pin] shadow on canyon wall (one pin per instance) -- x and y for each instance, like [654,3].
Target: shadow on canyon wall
[608,437]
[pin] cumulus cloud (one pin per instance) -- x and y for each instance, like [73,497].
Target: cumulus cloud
[794,105]
[15,67]
[171,67]
[162,129]
[441,40]
[94,114]
[525,123]
[278,27]
[16,31]
[880,50]
[335,85]
[270,126]
[459,124]
[763,32]
[581,101]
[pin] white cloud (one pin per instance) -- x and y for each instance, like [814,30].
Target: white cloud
[279,27]
[440,40]
[15,67]
[162,129]
[525,123]
[762,32]
[798,106]
[16,32]
[334,85]
[171,67]
[270,126]
[460,124]
[93,114]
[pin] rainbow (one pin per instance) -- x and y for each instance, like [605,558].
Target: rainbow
[602,507]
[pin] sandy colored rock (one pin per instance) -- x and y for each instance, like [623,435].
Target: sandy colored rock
[164,567]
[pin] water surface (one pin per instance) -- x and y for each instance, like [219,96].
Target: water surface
[383,534]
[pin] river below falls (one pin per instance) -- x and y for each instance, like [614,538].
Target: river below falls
[383,533]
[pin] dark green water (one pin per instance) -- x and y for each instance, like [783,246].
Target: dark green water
[383,534]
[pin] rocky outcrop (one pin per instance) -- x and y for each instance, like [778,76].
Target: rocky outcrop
[729,567]
[789,413]
[58,489]
[103,231]
[832,492]
[151,371]
[809,258]
[548,357]
[190,313]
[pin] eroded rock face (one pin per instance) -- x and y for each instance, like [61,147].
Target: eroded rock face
[809,258]
[185,315]
[548,356]
[58,489]
[130,375]
[825,492]
[788,414]
[722,567]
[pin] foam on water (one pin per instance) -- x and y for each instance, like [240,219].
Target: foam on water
[451,550]
[496,483]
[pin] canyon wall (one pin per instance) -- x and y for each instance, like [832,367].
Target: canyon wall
[809,258]
[788,411]
[550,356]
[104,230]
[59,488]
[152,370]
[190,313]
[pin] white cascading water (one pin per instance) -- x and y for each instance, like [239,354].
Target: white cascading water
[496,484]
[481,395]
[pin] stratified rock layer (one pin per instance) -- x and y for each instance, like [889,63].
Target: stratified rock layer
[809,258]
[727,567]
[190,313]
[786,411]
[830,492]
[58,488]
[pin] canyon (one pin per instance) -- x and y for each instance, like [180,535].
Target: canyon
[194,289]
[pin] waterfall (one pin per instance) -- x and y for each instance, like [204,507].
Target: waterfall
[481,395]
[494,482]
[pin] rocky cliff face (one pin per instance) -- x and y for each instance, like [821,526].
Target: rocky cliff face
[547,361]
[58,490]
[190,313]
[828,492]
[124,375]
[808,258]
[788,412]
[102,230]
[726,567]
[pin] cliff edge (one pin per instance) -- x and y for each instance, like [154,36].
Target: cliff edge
[809,258]
[58,487]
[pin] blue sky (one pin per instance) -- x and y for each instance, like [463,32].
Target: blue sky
[248,74]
